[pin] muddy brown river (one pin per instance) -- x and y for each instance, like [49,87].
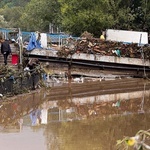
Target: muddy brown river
[83,116]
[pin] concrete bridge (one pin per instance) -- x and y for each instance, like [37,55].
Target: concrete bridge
[93,64]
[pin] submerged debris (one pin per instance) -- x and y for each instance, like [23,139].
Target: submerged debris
[138,142]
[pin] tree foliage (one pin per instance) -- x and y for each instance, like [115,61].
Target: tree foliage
[12,15]
[3,22]
[38,15]
[77,16]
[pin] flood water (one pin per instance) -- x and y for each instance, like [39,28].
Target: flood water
[89,116]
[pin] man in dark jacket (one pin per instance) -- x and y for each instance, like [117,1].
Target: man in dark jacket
[5,50]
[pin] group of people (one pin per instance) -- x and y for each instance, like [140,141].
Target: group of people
[5,49]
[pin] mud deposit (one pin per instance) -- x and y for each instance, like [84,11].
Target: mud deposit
[72,116]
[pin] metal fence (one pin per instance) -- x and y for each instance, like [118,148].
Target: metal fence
[18,85]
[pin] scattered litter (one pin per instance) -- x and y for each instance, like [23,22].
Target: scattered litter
[117,104]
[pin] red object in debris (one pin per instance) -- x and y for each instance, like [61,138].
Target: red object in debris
[14,60]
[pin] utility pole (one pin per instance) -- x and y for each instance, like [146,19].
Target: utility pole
[20,45]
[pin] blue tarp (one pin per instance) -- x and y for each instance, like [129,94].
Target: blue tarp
[33,43]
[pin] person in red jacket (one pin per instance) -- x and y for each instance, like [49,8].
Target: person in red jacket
[5,49]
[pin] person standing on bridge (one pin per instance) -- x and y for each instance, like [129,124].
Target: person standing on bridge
[5,49]
[102,37]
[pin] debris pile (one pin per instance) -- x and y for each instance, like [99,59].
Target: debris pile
[103,47]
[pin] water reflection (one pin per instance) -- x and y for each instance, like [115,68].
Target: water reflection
[40,115]
[67,119]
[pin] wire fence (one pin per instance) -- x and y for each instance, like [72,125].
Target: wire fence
[18,85]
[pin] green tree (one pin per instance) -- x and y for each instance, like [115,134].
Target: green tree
[12,15]
[140,10]
[12,11]
[95,16]
[76,16]
[13,3]
[3,22]
[84,15]
[38,15]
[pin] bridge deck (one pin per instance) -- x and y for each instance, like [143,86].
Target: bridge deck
[106,63]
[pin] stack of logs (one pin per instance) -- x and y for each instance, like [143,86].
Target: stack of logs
[103,47]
